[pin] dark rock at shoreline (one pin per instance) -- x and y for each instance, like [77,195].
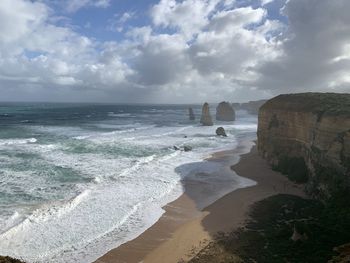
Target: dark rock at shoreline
[206,119]
[187,148]
[191,115]
[176,148]
[221,132]
[225,112]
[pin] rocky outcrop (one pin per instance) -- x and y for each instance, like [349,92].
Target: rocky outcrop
[191,115]
[343,254]
[187,148]
[308,136]
[221,132]
[206,119]
[252,107]
[9,260]
[225,112]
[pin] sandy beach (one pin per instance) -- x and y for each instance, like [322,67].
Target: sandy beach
[184,229]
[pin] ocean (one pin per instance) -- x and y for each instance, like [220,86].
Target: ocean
[77,180]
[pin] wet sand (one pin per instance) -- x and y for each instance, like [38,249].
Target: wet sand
[184,229]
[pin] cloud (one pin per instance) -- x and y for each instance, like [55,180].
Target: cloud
[188,16]
[191,51]
[74,5]
[118,21]
[228,46]
[265,2]
[315,51]
[17,22]
[34,51]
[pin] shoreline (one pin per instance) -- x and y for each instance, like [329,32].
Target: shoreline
[184,229]
[188,206]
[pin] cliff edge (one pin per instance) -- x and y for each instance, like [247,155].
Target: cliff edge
[307,136]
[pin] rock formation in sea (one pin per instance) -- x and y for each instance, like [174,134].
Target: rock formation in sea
[307,136]
[187,148]
[225,112]
[221,132]
[191,115]
[206,119]
[251,107]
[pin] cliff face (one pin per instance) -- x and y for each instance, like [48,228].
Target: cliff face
[251,107]
[311,131]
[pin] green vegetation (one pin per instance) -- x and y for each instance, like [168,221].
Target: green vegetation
[295,169]
[335,186]
[267,236]
[318,103]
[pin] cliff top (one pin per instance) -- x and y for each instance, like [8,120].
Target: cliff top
[324,103]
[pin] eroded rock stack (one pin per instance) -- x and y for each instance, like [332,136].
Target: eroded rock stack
[191,115]
[206,119]
[308,131]
[225,112]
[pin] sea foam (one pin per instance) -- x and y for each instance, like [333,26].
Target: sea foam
[94,189]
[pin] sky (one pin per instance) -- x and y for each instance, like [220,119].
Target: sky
[172,51]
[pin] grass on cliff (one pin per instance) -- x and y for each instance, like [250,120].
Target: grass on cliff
[319,103]
[267,236]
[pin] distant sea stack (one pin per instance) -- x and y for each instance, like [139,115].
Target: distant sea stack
[251,107]
[206,119]
[307,136]
[191,115]
[225,112]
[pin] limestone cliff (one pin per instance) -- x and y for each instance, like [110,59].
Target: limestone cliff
[308,134]
[251,107]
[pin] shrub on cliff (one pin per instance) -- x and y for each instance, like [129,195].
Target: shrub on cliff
[266,238]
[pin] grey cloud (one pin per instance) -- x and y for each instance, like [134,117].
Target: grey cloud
[161,60]
[315,50]
[211,52]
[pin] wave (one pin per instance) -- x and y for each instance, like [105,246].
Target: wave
[17,141]
[125,178]
[121,115]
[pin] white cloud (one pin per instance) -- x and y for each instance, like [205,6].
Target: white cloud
[75,5]
[33,50]
[19,21]
[118,21]
[194,50]
[265,2]
[188,16]
[315,49]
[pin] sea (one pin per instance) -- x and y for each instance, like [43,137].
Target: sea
[77,180]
